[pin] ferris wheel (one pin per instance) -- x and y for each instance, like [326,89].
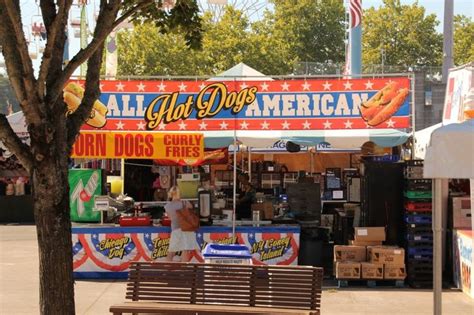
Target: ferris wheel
[253,9]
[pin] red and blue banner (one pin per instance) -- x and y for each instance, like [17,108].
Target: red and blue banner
[108,251]
[323,104]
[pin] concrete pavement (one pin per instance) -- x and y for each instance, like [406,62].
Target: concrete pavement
[19,288]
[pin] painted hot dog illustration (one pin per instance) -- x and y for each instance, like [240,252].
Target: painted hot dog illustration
[73,94]
[384,104]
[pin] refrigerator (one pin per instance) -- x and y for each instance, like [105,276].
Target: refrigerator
[382,198]
[84,184]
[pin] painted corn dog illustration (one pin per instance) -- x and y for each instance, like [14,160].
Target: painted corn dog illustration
[383,104]
[73,94]
[390,109]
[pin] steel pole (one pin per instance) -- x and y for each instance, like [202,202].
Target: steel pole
[437,246]
[448,60]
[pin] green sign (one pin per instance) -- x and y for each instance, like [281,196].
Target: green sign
[84,184]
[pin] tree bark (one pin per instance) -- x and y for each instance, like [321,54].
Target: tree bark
[51,207]
[53,226]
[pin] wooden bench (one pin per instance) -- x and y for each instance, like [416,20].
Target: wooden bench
[202,288]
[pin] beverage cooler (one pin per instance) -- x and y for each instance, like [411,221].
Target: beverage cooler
[382,198]
[84,184]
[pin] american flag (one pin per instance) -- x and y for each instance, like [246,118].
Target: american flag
[355,8]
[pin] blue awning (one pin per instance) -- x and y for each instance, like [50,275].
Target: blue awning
[338,139]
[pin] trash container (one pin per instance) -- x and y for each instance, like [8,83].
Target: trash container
[227,254]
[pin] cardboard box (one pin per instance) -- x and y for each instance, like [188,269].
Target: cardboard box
[462,213]
[365,243]
[386,255]
[265,208]
[394,272]
[347,270]
[371,271]
[369,234]
[350,253]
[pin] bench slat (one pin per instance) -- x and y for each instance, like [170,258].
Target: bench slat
[214,285]
[144,307]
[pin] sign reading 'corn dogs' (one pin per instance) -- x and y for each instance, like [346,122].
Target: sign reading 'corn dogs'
[136,145]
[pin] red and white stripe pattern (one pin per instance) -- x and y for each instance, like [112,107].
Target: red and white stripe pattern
[355,8]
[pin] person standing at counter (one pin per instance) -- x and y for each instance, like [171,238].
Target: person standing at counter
[180,241]
[246,198]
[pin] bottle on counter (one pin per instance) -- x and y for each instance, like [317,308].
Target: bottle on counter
[19,187]
[10,190]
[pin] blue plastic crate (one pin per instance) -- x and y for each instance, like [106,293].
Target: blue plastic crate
[420,251]
[420,237]
[418,219]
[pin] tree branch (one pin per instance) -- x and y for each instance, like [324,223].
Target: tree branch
[15,65]
[54,24]
[107,15]
[77,119]
[14,144]
[13,11]
[130,12]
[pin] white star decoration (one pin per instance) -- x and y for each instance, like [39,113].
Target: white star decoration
[367,125]
[182,87]
[327,86]
[327,124]
[244,125]
[161,87]
[202,86]
[306,125]
[161,126]
[369,85]
[120,125]
[306,86]
[390,123]
[182,125]
[101,87]
[265,125]
[141,87]
[141,125]
[285,86]
[264,86]
[203,125]
[223,125]
[243,86]
[119,86]
[348,124]
[347,85]
[285,125]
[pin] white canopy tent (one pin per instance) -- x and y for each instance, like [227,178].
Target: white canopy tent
[449,155]
[422,140]
[241,72]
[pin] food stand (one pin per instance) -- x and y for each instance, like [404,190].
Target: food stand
[254,114]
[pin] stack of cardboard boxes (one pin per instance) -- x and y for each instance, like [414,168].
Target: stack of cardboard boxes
[265,208]
[366,258]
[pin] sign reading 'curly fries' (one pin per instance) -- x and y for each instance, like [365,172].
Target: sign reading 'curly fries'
[313,104]
[135,145]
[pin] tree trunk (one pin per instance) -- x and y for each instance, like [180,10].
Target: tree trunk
[53,222]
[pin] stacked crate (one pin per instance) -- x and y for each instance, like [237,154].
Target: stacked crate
[419,233]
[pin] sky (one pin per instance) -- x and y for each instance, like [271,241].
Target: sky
[30,12]
[465,7]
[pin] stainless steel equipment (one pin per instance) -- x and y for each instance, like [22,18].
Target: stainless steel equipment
[204,203]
